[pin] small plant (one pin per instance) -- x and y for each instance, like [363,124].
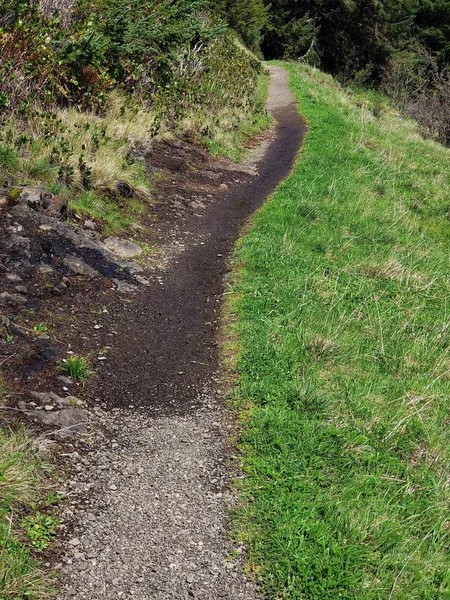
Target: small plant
[8,337]
[40,328]
[53,499]
[8,157]
[75,367]
[40,529]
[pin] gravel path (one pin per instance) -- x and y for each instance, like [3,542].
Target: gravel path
[150,499]
[153,527]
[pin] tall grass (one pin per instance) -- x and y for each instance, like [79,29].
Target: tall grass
[343,320]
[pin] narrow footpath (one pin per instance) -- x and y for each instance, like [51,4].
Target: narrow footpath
[150,501]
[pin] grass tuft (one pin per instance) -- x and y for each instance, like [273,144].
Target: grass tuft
[76,367]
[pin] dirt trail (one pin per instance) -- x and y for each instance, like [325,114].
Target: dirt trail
[153,493]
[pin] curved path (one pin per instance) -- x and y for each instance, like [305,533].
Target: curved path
[152,523]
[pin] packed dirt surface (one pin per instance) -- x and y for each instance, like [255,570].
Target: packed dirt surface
[165,349]
[148,495]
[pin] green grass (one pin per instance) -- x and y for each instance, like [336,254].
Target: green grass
[20,482]
[229,140]
[343,320]
[76,367]
[91,204]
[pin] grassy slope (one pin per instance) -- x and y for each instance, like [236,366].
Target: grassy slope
[343,317]
[58,150]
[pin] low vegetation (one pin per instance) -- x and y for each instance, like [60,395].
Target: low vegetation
[342,304]
[21,478]
[76,367]
[86,87]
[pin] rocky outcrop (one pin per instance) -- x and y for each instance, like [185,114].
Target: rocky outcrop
[37,240]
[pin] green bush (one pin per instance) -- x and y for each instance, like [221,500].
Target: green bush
[148,48]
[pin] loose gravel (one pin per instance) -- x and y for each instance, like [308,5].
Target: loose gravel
[150,502]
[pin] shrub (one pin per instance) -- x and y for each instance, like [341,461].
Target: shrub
[421,89]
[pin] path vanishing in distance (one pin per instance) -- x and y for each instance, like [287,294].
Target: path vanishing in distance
[149,502]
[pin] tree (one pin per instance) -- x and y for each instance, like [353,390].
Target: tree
[350,36]
[247,18]
[433,23]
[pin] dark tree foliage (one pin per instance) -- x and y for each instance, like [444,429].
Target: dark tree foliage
[433,22]
[247,18]
[350,36]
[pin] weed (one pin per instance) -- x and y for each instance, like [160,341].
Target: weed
[9,158]
[18,468]
[52,499]
[40,328]
[41,529]
[20,475]
[76,367]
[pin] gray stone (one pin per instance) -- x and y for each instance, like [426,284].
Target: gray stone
[36,198]
[79,267]
[46,397]
[69,421]
[60,288]
[142,280]
[123,248]
[13,277]
[132,267]
[124,288]
[7,299]
[90,224]
[16,228]
[20,244]
[74,542]
[50,398]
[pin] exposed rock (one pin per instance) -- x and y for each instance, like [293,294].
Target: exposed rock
[142,280]
[39,199]
[132,267]
[69,421]
[123,248]
[7,299]
[89,224]
[50,398]
[124,288]
[79,267]
[20,244]
[36,198]
[13,277]
[60,288]
[14,229]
